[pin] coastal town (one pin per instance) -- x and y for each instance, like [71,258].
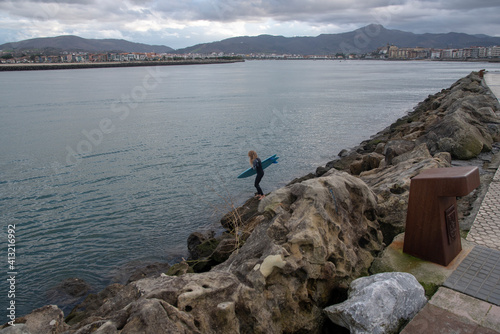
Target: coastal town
[388,52]
[87,57]
[474,52]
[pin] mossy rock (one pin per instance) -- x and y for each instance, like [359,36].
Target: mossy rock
[467,148]
[179,269]
[206,248]
[75,317]
[430,275]
[430,288]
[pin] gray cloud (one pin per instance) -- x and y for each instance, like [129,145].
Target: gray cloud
[280,10]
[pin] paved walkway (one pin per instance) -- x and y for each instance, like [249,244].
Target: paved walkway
[492,80]
[469,301]
[478,275]
[486,227]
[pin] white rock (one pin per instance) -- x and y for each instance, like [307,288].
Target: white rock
[379,304]
[270,262]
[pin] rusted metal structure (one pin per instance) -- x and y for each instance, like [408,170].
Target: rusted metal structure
[432,230]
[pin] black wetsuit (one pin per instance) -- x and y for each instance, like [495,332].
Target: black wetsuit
[257,166]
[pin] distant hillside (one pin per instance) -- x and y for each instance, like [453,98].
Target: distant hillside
[362,40]
[75,43]
[359,41]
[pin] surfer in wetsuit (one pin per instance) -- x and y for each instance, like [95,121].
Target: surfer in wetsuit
[257,166]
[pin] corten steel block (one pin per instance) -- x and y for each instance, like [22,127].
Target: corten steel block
[432,232]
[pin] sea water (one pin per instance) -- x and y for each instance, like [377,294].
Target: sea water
[105,170]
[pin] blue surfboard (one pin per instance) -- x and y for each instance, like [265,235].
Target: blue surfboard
[265,163]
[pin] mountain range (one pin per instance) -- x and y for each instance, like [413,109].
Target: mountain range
[363,40]
[74,44]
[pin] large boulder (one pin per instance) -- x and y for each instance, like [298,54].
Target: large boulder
[68,292]
[192,303]
[465,123]
[150,270]
[418,153]
[318,236]
[323,235]
[45,320]
[397,147]
[106,303]
[379,304]
[365,163]
[461,135]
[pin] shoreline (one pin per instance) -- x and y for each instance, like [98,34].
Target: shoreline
[70,66]
[66,66]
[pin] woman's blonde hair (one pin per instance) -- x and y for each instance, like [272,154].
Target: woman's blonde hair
[252,155]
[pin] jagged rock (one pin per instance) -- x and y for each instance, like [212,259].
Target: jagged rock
[241,214]
[279,198]
[367,162]
[465,123]
[358,166]
[74,287]
[379,304]
[151,270]
[106,303]
[343,153]
[191,303]
[380,148]
[68,292]
[373,159]
[320,171]
[207,303]
[397,147]
[443,156]
[206,250]
[323,235]
[309,248]
[420,153]
[346,161]
[249,226]
[194,240]
[303,178]
[17,329]
[45,320]
[225,248]
[179,269]
[462,139]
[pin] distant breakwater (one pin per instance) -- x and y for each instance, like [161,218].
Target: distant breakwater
[65,66]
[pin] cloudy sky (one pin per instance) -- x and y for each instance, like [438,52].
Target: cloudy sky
[183,23]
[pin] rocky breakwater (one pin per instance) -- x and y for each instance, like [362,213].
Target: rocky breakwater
[290,255]
[457,126]
[309,241]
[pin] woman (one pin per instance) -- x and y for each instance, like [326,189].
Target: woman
[257,166]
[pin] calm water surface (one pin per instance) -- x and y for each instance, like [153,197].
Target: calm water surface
[102,170]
